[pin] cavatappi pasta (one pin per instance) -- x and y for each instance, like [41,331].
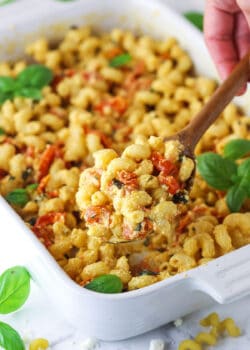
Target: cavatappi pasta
[210,338]
[90,126]
[136,194]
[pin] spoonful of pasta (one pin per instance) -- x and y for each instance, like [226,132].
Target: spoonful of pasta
[128,197]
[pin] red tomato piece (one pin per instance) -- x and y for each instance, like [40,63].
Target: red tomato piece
[46,160]
[163,164]
[117,104]
[91,76]
[170,181]
[42,229]
[49,219]
[43,183]
[53,194]
[70,72]
[115,51]
[128,179]
[183,223]
[44,234]
[128,232]
[97,214]
[146,228]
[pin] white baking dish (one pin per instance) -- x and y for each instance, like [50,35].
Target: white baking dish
[113,317]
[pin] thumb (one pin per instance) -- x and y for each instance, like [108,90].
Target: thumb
[244,5]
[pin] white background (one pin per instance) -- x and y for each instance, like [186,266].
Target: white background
[37,318]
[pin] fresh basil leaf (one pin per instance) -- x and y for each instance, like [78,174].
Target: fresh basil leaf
[216,171]
[32,187]
[244,176]
[36,76]
[196,18]
[235,197]
[14,289]
[244,168]
[19,196]
[7,84]
[4,96]
[9,338]
[5,2]
[236,149]
[120,60]
[29,92]
[2,132]
[105,284]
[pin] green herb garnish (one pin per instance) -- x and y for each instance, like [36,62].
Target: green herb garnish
[196,18]
[5,2]
[224,173]
[28,83]
[7,84]
[9,338]
[19,196]
[4,96]
[216,170]
[117,183]
[105,284]
[138,227]
[36,76]
[120,60]
[148,273]
[14,289]
[32,187]
[2,132]
[236,149]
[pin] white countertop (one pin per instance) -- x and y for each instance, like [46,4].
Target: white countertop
[38,318]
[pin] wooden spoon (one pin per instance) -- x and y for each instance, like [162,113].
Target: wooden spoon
[191,134]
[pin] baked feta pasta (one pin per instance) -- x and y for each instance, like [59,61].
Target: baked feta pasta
[84,158]
[132,196]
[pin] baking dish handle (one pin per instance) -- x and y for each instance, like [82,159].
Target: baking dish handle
[227,278]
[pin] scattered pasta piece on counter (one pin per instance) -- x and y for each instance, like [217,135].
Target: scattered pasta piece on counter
[39,344]
[189,345]
[210,320]
[217,328]
[230,327]
[206,338]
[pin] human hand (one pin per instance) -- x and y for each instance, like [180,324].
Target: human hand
[227,32]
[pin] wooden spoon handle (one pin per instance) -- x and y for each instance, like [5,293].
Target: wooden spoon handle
[216,104]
